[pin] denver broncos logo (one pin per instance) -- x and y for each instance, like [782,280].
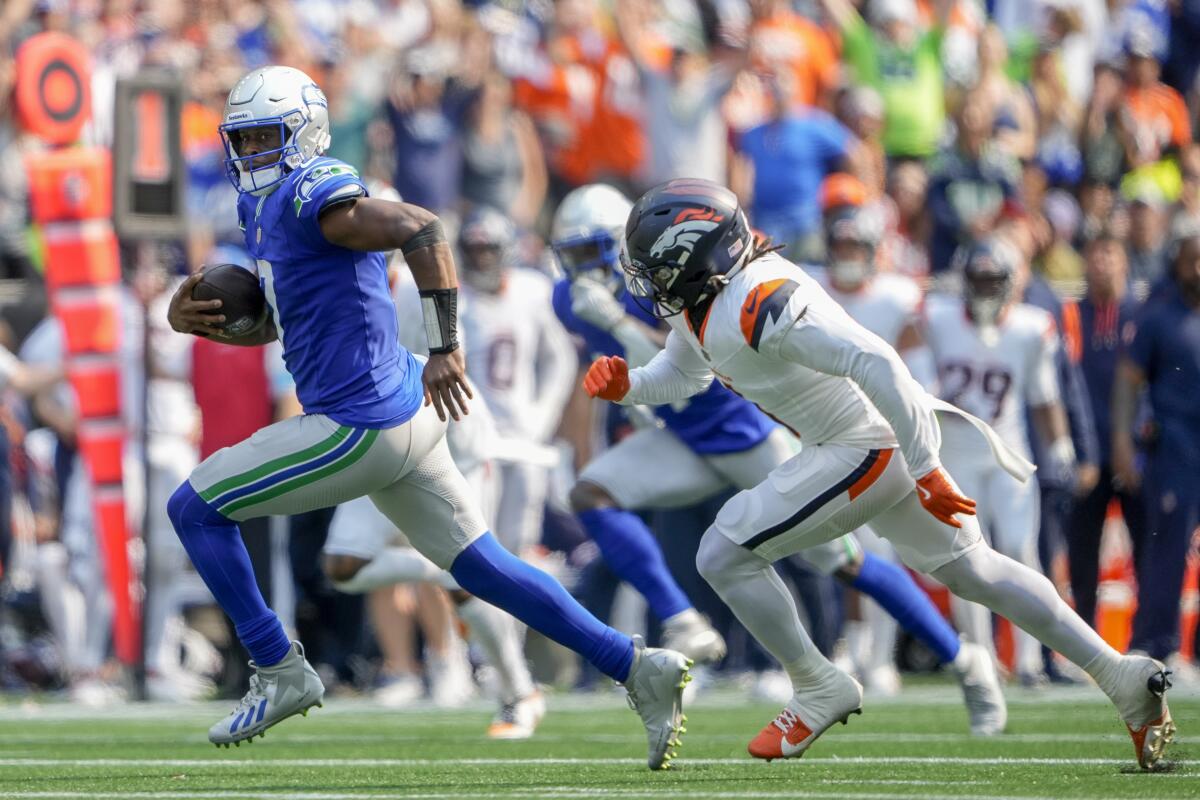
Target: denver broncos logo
[683,235]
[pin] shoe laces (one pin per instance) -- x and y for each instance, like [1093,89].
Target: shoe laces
[254,695]
[1159,682]
[786,719]
[508,714]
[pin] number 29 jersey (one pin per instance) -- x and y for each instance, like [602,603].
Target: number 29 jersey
[331,306]
[994,376]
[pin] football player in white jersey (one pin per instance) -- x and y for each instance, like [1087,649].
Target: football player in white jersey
[995,358]
[872,452]
[522,361]
[887,304]
[365,551]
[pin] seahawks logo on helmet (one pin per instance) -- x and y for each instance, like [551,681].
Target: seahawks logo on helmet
[315,177]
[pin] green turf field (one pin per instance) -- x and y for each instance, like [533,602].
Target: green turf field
[1061,744]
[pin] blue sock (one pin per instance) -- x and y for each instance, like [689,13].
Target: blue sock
[894,589]
[633,554]
[215,546]
[494,575]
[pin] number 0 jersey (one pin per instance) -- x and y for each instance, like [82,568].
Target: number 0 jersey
[713,422]
[331,306]
[995,377]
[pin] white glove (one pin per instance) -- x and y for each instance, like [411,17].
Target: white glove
[594,302]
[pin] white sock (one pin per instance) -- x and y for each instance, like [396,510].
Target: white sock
[689,616]
[1029,600]
[881,635]
[394,565]
[758,597]
[496,635]
[974,622]
[62,603]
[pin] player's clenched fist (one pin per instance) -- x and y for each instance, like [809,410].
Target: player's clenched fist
[940,498]
[607,378]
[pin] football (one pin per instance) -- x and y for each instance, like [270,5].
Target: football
[242,300]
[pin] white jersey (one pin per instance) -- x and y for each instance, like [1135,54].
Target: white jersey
[519,355]
[774,336]
[472,439]
[884,305]
[995,377]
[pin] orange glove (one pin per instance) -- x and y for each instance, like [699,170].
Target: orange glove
[607,378]
[940,498]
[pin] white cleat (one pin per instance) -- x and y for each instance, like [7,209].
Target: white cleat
[399,691]
[276,692]
[450,683]
[655,685]
[692,635]
[1141,699]
[803,720]
[986,707]
[518,719]
[882,681]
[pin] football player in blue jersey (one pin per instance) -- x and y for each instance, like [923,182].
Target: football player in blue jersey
[375,419]
[713,441]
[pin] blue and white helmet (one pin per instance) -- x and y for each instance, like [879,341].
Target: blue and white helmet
[274,96]
[587,230]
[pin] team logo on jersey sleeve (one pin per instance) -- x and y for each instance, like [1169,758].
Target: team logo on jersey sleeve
[307,186]
[765,301]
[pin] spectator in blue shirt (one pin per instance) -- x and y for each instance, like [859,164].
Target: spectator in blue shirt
[427,111]
[1163,356]
[1104,312]
[971,187]
[788,157]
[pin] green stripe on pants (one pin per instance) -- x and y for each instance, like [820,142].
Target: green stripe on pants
[275,465]
[299,481]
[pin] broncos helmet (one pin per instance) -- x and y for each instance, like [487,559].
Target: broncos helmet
[988,270]
[683,241]
[587,230]
[275,97]
[486,241]
[851,237]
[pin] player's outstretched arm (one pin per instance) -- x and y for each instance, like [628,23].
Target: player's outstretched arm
[202,318]
[676,373]
[381,225]
[840,346]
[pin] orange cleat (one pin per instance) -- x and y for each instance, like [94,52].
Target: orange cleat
[791,733]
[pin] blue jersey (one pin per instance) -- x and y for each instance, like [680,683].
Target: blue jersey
[331,306]
[713,422]
[1166,346]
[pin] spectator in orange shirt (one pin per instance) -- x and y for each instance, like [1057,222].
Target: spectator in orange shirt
[1155,119]
[585,98]
[782,40]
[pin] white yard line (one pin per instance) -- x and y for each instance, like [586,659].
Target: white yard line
[244,763]
[546,793]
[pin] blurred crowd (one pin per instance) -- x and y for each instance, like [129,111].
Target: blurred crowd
[1066,127]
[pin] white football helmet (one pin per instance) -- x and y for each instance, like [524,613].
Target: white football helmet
[587,231]
[283,97]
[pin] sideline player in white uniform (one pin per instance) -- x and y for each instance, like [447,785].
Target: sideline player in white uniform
[888,305]
[522,362]
[365,551]
[374,421]
[871,453]
[707,443]
[995,357]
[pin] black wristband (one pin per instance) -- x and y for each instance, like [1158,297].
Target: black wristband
[439,307]
[430,234]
